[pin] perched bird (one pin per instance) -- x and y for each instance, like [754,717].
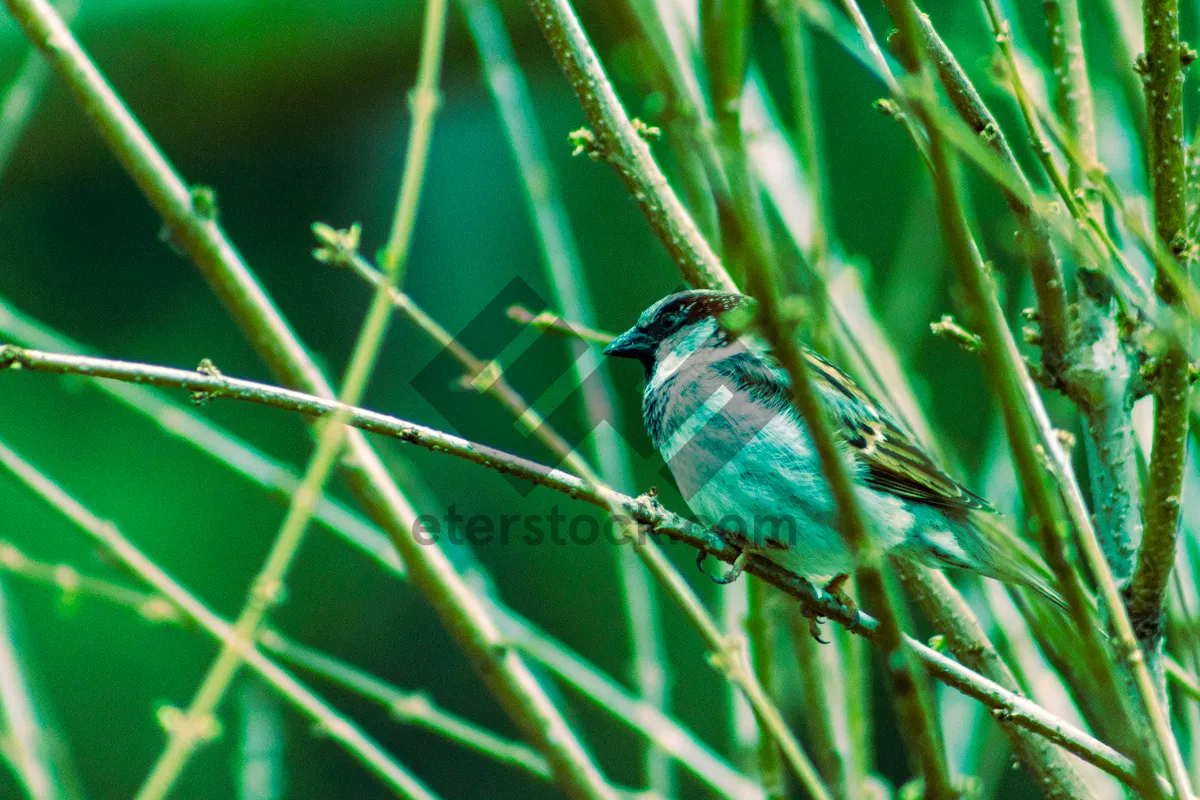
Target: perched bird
[718,408]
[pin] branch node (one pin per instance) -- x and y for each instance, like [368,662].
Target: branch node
[338,248]
[178,724]
[206,367]
[948,328]
[649,133]
[204,201]
[585,141]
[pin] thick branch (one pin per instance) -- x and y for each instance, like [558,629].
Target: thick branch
[1163,78]
[1101,378]
[1009,381]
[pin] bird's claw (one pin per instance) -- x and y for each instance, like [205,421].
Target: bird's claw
[735,572]
[836,589]
[814,625]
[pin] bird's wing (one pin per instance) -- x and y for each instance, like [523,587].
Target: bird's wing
[893,462]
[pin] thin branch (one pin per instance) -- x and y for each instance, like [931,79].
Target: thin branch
[24,94]
[189,426]
[620,143]
[879,62]
[649,722]
[42,769]
[920,724]
[411,708]
[825,688]
[1044,265]
[202,239]
[1018,398]
[1163,79]
[1007,376]
[645,509]
[550,322]
[953,617]
[1011,707]
[801,70]
[106,535]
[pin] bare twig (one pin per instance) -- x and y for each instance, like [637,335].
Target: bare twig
[1044,264]
[644,509]
[1008,378]
[920,723]
[189,426]
[1168,277]
[952,616]
[649,722]
[1101,379]
[732,661]
[1011,707]
[23,95]
[198,235]
[619,142]
[564,268]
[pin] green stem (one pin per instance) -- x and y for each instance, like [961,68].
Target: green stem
[663,732]
[188,426]
[1044,265]
[1018,400]
[919,722]
[495,385]
[1102,377]
[1163,78]
[619,143]
[644,509]
[953,617]
[801,76]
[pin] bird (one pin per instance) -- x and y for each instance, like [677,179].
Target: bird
[717,405]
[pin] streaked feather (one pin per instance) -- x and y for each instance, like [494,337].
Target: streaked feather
[893,462]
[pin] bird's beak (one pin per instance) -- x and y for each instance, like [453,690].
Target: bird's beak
[633,343]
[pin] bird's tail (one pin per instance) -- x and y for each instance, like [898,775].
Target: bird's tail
[1010,560]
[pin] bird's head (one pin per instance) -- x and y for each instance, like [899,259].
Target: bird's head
[670,321]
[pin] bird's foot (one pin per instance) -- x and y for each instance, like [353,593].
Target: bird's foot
[836,589]
[814,625]
[735,571]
